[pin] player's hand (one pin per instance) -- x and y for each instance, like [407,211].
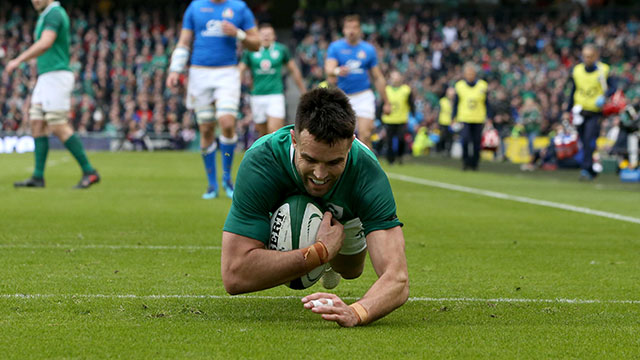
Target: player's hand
[229,29]
[331,233]
[386,108]
[344,71]
[12,65]
[172,80]
[332,308]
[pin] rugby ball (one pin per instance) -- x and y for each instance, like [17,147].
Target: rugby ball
[294,225]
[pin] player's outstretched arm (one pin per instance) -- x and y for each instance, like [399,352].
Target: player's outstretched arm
[38,48]
[390,291]
[380,84]
[247,266]
[179,57]
[297,76]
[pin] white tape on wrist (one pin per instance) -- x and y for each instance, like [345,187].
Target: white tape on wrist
[241,35]
[179,59]
[319,302]
[336,71]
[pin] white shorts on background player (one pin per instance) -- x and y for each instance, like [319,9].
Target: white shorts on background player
[53,91]
[263,106]
[364,104]
[219,86]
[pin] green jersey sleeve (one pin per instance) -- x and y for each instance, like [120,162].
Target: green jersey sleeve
[377,206]
[53,21]
[256,191]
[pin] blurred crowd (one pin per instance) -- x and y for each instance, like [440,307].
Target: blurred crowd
[525,59]
[121,60]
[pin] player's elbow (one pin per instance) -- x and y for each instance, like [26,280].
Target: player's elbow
[232,281]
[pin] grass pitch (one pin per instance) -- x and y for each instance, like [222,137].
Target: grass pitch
[131,269]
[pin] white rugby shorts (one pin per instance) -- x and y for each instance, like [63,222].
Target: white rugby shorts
[53,91]
[217,86]
[364,104]
[263,106]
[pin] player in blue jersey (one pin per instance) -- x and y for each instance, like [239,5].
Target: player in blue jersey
[350,60]
[213,91]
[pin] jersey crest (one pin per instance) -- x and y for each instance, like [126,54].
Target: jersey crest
[227,13]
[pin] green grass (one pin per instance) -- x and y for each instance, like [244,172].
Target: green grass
[458,245]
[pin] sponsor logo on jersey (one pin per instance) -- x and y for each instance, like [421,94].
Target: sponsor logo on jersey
[257,55]
[274,54]
[213,28]
[227,13]
[354,66]
[336,211]
[206,10]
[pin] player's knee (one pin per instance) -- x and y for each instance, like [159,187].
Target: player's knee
[36,112]
[205,115]
[56,117]
[351,273]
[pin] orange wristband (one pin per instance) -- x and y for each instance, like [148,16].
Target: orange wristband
[361,313]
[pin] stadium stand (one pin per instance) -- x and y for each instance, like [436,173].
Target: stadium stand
[121,60]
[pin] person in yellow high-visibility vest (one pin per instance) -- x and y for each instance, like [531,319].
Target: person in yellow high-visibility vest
[401,100]
[590,85]
[445,112]
[471,108]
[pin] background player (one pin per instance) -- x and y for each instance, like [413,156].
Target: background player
[471,107]
[51,98]
[214,80]
[401,99]
[318,157]
[349,60]
[267,94]
[590,85]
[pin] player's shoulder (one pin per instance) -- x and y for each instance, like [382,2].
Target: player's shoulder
[338,43]
[238,4]
[483,83]
[367,46]
[604,66]
[459,83]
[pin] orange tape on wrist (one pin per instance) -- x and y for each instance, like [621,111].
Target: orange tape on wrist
[315,255]
[361,313]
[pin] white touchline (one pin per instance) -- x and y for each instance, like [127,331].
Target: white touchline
[267,297]
[109,247]
[521,199]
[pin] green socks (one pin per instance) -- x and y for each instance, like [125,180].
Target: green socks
[41,151]
[74,145]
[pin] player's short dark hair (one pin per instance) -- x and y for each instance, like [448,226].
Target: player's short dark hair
[265,25]
[326,114]
[349,18]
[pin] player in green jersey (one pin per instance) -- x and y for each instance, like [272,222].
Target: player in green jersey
[320,157]
[51,98]
[267,95]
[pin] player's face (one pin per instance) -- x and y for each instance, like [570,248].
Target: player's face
[40,5]
[396,79]
[589,56]
[469,74]
[351,30]
[319,164]
[267,36]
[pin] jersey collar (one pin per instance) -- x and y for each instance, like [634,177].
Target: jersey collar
[49,7]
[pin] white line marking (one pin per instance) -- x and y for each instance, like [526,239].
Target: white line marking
[521,199]
[51,163]
[109,247]
[265,297]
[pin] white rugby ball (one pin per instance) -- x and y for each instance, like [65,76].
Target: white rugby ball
[294,225]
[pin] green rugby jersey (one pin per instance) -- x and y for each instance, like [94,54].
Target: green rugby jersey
[266,68]
[267,176]
[54,18]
